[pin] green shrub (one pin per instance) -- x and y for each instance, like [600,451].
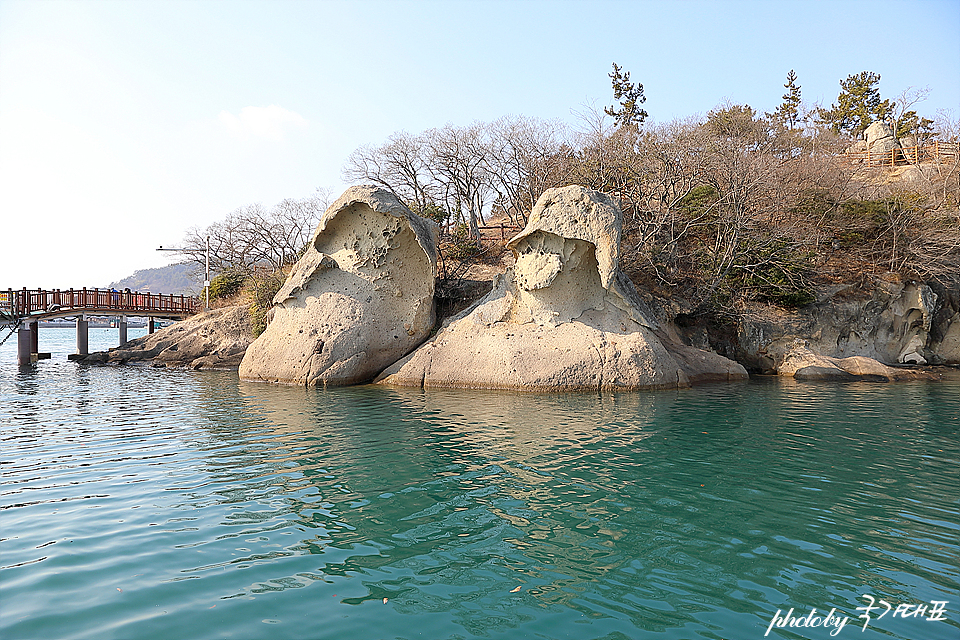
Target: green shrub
[849,239]
[262,287]
[433,212]
[815,203]
[462,245]
[226,284]
[700,198]
[778,276]
[870,212]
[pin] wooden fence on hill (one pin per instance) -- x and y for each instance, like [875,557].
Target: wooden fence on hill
[935,151]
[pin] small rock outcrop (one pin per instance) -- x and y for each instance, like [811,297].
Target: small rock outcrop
[359,299]
[859,146]
[908,142]
[215,339]
[880,138]
[795,358]
[563,318]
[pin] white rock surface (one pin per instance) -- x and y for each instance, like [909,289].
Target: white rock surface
[359,299]
[795,358]
[564,318]
[880,138]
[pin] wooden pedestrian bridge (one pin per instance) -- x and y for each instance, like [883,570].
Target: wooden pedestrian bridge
[22,310]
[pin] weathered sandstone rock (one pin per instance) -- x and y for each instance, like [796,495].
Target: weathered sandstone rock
[944,335]
[859,146]
[908,142]
[564,318]
[946,348]
[215,339]
[359,299]
[795,358]
[896,322]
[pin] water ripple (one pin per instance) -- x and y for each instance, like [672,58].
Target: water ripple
[172,504]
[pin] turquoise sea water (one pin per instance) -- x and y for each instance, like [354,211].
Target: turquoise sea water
[146,503]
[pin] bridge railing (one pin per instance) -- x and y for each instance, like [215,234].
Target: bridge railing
[26,302]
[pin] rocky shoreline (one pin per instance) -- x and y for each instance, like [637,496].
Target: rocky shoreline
[360,306]
[216,339]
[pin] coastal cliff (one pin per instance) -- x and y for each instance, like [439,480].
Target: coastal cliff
[560,315]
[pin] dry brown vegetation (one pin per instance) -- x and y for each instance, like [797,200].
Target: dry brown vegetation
[720,211]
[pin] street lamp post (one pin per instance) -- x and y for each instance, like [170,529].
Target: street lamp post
[206,277]
[206,274]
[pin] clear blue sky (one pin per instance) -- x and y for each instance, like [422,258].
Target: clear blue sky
[124,123]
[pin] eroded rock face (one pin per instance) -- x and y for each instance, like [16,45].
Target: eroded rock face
[898,322]
[359,299]
[564,318]
[944,335]
[795,358]
[859,146]
[946,348]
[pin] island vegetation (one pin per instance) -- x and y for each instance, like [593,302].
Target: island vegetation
[723,211]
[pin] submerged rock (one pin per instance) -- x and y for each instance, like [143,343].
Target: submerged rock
[359,299]
[563,318]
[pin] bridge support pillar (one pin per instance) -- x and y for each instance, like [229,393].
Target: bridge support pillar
[123,330]
[25,341]
[150,325]
[34,337]
[82,348]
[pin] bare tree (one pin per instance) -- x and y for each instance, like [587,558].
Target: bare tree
[252,237]
[670,167]
[400,166]
[593,166]
[944,174]
[522,161]
[458,163]
[906,122]
[721,208]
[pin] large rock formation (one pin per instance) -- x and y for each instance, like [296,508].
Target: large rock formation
[214,339]
[359,299]
[564,318]
[943,346]
[880,138]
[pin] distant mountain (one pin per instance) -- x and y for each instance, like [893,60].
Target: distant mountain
[176,278]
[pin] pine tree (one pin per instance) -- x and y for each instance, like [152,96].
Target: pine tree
[858,105]
[909,123]
[630,97]
[788,113]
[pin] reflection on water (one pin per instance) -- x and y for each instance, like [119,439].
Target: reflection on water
[147,503]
